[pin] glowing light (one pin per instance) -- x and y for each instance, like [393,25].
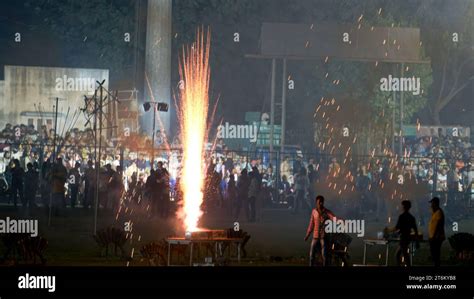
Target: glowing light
[193,112]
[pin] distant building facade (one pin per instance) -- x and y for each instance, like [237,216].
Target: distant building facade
[27,93]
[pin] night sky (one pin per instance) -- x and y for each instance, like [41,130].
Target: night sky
[242,84]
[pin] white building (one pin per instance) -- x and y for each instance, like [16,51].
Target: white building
[27,94]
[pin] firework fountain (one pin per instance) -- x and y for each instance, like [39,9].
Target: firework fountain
[193,115]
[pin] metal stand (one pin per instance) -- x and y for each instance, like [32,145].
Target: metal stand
[216,242]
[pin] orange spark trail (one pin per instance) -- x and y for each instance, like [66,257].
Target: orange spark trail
[193,111]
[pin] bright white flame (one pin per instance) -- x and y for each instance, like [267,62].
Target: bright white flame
[193,112]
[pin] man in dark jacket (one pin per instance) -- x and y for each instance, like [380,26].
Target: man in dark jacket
[74,181]
[58,179]
[153,192]
[90,185]
[254,191]
[243,185]
[17,174]
[32,179]
[405,224]
[163,180]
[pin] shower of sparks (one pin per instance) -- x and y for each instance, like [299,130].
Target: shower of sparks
[193,113]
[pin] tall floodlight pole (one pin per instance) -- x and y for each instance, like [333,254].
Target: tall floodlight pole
[158,58]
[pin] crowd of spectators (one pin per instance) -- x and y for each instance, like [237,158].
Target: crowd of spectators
[236,180]
[445,162]
[28,152]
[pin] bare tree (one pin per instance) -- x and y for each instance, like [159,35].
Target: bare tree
[450,87]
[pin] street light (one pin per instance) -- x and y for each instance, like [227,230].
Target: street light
[160,106]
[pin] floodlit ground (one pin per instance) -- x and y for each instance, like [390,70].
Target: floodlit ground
[277,239]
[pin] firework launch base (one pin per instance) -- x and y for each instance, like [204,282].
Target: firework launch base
[216,239]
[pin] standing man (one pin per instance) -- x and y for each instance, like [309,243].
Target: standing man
[243,184]
[254,191]
[16,190]
[297,165]
[436,231]
[163,179]
[316,227]
[285,168]
[301,186]
[115,188]
[406,223]
[58,179]
[90,185]
[153,190]
[32,177]
[232,192]
[74,179]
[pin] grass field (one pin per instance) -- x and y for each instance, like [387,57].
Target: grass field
[276,240]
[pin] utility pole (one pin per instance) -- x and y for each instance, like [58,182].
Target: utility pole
[283,108]
[99,101]
[272,108]
[97,170]
[54,154]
